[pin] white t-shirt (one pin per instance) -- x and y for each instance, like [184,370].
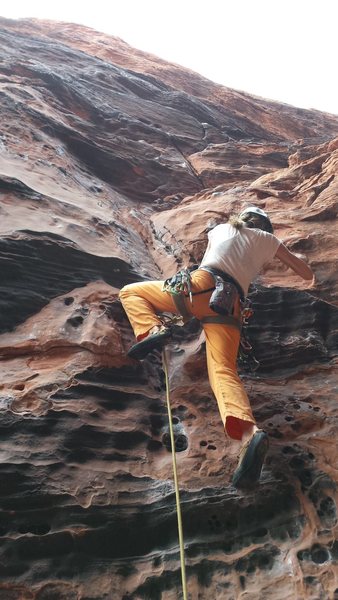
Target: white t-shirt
[239,252]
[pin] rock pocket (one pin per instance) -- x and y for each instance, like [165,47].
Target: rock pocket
[180,436]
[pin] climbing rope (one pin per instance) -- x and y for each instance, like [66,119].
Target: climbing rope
[177,491]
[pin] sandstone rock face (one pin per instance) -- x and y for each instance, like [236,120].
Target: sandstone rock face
[113,166]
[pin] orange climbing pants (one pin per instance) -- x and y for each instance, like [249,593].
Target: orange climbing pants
[142,302]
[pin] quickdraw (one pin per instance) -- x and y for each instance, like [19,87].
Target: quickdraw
[179,284]
[246,358]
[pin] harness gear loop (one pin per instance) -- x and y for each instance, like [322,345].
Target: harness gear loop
[177,491]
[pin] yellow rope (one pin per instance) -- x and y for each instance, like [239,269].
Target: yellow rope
[177,491]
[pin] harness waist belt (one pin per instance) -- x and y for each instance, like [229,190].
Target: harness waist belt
[225,277]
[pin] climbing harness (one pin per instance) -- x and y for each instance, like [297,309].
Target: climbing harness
[177,491]
[180,286]
[222,301]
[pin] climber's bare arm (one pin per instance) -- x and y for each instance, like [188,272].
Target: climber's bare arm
[298,265]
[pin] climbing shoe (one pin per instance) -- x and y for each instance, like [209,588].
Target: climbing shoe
[251,461]
[153,341]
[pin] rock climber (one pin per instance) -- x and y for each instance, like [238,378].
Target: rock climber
[236,252]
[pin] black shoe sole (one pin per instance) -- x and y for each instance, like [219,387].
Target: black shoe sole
[152,342]
[249,471]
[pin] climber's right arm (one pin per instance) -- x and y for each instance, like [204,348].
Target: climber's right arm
[298,265]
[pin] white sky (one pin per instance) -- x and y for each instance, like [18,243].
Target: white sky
[284,50]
